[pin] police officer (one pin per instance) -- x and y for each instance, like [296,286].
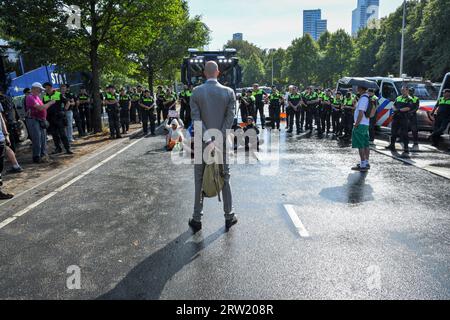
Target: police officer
[259,95]
[348,108]
[71,113]
[170,103]
[326,111]
[125,107]
[336,113]
[57,118]
[140,92]
[83,104]
[135,100]
[247,105]
[415,104]
[147,105]
[311,100]
[113,111]
[373,121]
[442,117]
[295,100]
[275,102]
[185,110]
[160,98]
[402,108]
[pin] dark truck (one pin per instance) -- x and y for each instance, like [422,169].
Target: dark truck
[230,70]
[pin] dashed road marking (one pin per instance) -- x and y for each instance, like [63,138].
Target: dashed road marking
[64,186]
[296,221]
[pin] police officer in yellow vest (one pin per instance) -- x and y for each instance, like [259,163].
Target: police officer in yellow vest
[56,118]
[135,99]
[400,123]
[336,113]
[442,113]
[295,101]
[415,101]
[259,95]
[275,102]
[311,100]
[125,107]
[83,104]
[147,105]
[185,110]
[326,110]
[113,111]
[348,108]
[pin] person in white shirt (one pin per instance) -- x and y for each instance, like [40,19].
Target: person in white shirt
[175,135]
[360,134]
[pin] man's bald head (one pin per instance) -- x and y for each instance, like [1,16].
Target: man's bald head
[211,70]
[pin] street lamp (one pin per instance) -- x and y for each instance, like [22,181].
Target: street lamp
[273,51]
[403,39]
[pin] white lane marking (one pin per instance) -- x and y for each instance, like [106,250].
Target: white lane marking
[66,185]
[68,169]
[296,221]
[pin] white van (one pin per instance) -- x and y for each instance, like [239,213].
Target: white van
[390,89]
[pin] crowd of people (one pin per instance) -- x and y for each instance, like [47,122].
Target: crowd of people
[336,114]
[346,116]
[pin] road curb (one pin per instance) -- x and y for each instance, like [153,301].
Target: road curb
[430,169]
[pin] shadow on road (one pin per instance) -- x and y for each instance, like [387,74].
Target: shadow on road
[354,192]
[147,280]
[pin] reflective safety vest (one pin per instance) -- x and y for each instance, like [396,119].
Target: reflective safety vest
[83,98]
[312,96]
[135,97]
[124,97]
[337,101]
[148,101]
[444,102]
[258,94]
[348,102]
[275,98]
[110,97]
[402,102]
[56,96]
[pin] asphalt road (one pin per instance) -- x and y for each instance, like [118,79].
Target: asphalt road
[384,235]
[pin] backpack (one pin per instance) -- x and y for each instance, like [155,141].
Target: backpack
[213,177]
[372,108]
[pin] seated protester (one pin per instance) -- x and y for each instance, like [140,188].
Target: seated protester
[236,127]
[251,132]
[174,136]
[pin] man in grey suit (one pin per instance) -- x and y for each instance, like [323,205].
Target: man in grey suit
[212,110]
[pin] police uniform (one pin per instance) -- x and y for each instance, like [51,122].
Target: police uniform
[412,115]
[294,99]
[336,114]
[326,113]
[311,101]
[124,102]
[148,114]
[160,98]
[169,104]
[442,119]
[247,107]
[347,116]
[134,112]
[84,110]
[113,111]
[185,110]
[57,120]
[275,109]
[400,122]
[259,106]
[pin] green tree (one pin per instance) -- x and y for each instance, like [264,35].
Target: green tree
[366,47]
[253,70]
[278,57]
[302,57]
[323,41]
[109,31]
[433,38]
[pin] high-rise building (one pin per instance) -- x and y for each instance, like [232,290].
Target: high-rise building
[313,23]
[238,36]
[365,11]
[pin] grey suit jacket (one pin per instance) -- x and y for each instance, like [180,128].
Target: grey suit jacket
[214,105]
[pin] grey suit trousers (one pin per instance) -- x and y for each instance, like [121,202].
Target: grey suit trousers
[226,192]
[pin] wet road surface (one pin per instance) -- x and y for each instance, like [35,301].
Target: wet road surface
[381,235]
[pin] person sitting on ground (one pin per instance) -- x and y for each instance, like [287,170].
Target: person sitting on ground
[174,136]
[252,132]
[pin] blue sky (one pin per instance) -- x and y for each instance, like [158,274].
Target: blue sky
[273,23]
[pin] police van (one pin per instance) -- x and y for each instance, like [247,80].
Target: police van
[390,89]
